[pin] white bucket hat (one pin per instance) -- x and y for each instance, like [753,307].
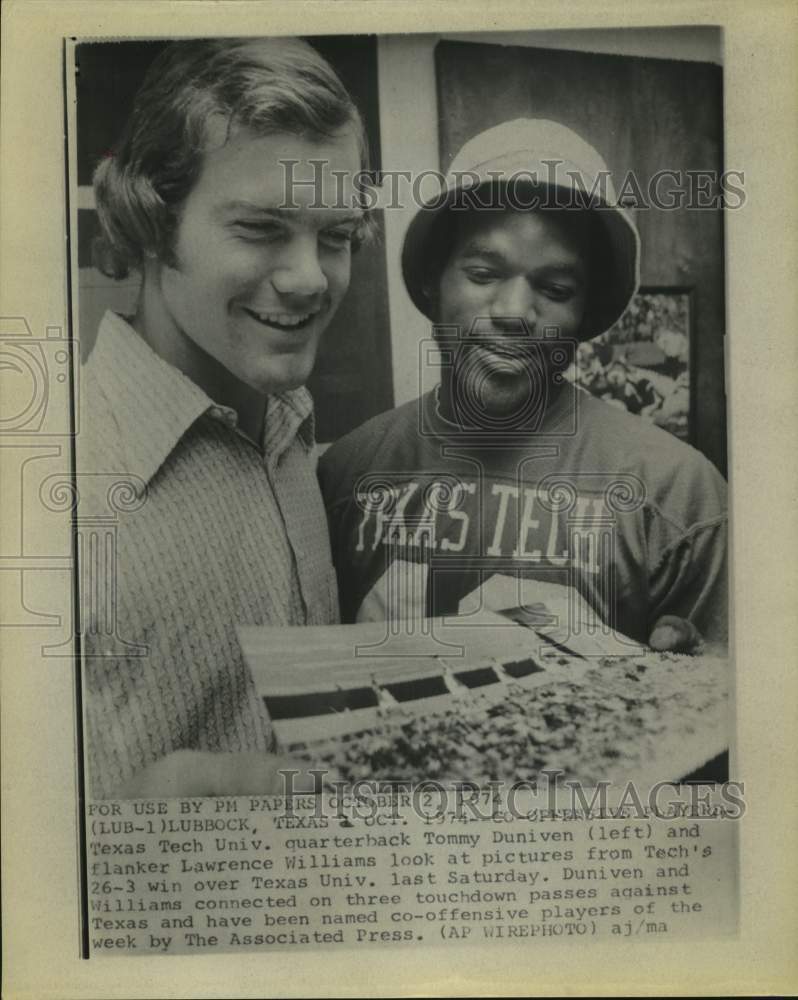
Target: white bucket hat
[570,172]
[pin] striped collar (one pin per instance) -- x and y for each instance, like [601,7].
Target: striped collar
[152,404]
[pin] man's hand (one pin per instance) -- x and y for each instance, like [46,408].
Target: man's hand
[194,773]
[675,635]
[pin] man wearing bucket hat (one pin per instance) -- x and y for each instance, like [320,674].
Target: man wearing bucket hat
[505,486]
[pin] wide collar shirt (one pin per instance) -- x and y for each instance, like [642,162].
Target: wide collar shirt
[186,529]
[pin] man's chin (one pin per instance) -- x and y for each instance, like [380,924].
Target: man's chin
[282,377]
[501,397]
[505,402]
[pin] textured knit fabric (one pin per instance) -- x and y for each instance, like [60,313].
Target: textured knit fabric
[210,532]
[596,500]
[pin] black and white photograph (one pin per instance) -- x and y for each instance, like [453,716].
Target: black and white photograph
[451,397]
[395,429]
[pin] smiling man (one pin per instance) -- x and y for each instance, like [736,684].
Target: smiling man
[197,401]
[505,487]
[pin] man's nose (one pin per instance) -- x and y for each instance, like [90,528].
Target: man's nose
[514,300]
[299,270]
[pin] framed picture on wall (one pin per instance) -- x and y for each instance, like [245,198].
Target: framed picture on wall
[644,362]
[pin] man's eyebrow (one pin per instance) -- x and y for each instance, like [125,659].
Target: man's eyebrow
[337,216]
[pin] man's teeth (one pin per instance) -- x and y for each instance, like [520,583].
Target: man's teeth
[281,319]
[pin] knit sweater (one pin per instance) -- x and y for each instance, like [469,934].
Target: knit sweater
[186,529]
